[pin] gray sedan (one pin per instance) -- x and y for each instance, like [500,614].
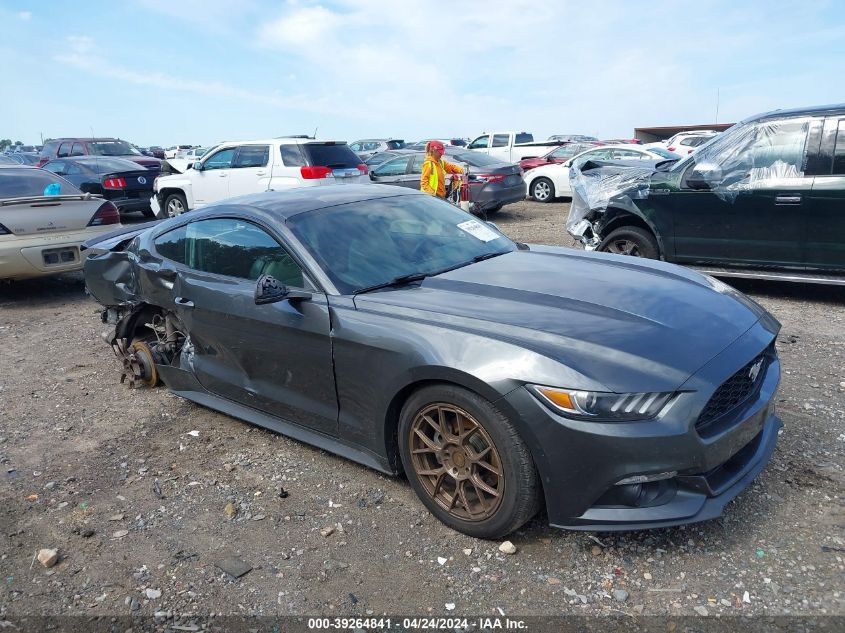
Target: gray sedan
[492,182]
[389,327]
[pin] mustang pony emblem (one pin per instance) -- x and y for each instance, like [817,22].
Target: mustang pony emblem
[755,370]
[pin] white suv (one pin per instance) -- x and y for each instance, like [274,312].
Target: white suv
[239,168]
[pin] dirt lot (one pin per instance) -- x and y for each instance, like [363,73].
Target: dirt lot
[133,488]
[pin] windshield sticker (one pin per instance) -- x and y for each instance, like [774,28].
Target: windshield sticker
[478,230]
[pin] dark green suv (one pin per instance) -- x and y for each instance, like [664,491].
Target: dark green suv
[766,198]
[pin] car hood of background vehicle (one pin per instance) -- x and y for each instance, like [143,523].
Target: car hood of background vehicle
[629,324]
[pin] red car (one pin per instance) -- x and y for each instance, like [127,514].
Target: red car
[558,155]
[111,147]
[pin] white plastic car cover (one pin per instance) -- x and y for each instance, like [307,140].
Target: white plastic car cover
[593,188]
[745,157]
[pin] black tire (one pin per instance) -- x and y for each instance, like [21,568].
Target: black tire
[174,204]
[631,240]
[543,190]
[494,209]
[518,484]
[148,213]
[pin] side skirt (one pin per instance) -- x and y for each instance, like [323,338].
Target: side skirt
[183,384]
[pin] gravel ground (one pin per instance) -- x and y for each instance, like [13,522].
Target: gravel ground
[143,494]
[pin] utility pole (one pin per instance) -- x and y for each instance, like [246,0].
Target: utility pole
[717,105]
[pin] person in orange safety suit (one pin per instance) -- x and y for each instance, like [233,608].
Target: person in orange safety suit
[434,170]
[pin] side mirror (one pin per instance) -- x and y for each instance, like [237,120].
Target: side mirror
[197,166]
[270,290]
[703,177]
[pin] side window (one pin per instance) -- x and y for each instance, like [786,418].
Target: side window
[627,154]
[77,150]
[839,150]
[395,167]
[73,170]
[252,156]
[602,154]
[501,140]
[235,248]
[173,245]
[355,147]
[481,142]
[220,160]
[292,156]
[756,153]
[416,164]
[64,150]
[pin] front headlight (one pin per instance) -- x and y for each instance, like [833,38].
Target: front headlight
[603,407]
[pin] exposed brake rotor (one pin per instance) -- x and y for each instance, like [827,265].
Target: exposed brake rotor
[139,366]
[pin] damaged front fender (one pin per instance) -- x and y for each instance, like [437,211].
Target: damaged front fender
[594,187]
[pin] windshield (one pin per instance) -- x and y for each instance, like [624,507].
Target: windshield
[107,165]
[663,152]
[19,182]
[334,155]
[362,244]
[395,144]
[112,148]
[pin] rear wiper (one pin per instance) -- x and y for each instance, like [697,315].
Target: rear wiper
[396,281]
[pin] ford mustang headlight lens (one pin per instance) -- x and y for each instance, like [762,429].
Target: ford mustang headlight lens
[604,407]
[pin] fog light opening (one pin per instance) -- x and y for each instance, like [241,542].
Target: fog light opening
[644,479]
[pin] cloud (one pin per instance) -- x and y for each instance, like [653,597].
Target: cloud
[26,16]
[82,54]
[302,27]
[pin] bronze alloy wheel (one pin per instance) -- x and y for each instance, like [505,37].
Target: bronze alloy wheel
[456,462]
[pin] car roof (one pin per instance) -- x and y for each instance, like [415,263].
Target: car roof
[90,158]
[282,139]
[285,204]
[87,139]
[838,108]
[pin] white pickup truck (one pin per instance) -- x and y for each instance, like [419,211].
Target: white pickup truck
[511,147]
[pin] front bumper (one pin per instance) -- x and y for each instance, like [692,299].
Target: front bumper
[128,205]
[581,463]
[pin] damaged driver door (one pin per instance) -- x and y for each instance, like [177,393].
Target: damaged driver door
[276,357]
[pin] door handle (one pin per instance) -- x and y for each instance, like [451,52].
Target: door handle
[261,173]
[222,175]
[183,302]
[788,198]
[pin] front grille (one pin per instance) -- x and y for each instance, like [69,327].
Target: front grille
[733,392]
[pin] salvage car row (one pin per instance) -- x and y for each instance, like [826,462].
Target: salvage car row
[763,199]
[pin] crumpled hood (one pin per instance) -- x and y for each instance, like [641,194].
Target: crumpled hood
[629,324]
[596,183]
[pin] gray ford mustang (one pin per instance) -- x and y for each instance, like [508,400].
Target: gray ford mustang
[396,330]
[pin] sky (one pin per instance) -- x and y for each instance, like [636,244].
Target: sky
[162,72]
